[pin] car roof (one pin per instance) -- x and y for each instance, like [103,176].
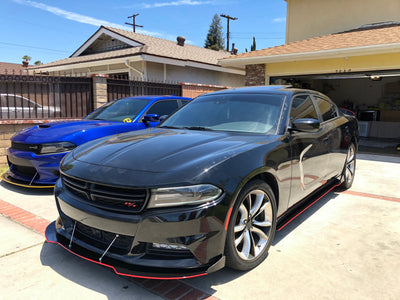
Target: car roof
[284,89]
[157,97]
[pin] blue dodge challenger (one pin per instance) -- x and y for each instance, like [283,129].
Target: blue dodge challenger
[36,152]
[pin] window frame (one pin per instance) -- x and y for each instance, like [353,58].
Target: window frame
[330,102]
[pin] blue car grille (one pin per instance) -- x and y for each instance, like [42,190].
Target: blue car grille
[35,148]
[114,198]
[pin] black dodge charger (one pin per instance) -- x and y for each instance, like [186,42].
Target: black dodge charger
[207,187]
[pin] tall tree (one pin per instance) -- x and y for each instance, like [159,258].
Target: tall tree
[215,39]
[253,47]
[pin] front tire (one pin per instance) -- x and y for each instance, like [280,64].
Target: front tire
[252,226]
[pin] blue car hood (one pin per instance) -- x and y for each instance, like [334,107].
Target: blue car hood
[62,131]
[160,150]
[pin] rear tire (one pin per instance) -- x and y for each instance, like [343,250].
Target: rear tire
[349,169]
[252,226]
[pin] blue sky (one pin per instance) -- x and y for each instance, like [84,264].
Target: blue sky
[49,30]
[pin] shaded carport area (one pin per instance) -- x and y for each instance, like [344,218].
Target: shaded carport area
[374,96]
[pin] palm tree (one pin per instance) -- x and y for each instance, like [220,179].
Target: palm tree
[26,59]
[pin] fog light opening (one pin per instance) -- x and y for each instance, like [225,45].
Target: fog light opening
[169,247]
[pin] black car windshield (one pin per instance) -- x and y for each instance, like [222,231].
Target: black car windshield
[119,110]
[253,113]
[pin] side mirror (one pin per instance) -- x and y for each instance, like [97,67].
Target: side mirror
[163,117]
[151,118]
[306,125]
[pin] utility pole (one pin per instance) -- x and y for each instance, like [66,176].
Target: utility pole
[227,33]
[133,24]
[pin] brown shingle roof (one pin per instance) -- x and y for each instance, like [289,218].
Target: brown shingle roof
[152,46]
[10,68]
[367,36]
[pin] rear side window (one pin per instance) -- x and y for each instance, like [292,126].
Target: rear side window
[162,108]
[302,108]
[327,110]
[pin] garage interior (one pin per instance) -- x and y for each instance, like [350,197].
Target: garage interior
[373,96]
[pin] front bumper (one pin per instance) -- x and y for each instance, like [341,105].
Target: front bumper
[162,243]
[30,170]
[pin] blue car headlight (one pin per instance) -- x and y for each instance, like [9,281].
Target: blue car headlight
[184,195]
[56,147]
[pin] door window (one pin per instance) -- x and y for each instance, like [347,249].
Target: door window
[326,109]
[302,108]
[162,108]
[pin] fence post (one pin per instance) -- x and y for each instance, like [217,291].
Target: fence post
[99,90]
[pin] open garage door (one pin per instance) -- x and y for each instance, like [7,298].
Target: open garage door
[374,96]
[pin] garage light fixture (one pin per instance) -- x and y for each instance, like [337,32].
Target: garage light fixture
[375,77]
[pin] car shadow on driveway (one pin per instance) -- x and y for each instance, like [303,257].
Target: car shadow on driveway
[105,281]
[27,191]
[304,211]
[89,275]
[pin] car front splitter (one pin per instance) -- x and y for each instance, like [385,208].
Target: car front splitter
[6,177]
[129,271]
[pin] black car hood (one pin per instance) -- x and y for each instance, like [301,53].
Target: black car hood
[160,150]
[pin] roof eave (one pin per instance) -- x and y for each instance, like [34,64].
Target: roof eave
[90,64]
[98,33]
[140,57]
[314,55]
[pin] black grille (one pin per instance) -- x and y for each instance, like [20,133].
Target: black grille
[115,198]
[35,148]
[102,239]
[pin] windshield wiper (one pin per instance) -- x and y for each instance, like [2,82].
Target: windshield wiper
[197,128]
[170,127]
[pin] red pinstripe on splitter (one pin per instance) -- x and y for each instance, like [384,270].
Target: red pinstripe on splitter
[38,224]
[298,214]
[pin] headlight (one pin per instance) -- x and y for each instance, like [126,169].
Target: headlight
[56,147]
[184,195]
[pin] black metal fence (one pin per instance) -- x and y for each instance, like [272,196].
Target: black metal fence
[37,96]
[119,88]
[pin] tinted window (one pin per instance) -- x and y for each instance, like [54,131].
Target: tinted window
[163,108]
[119,110]
[184,102]
[257,113]
[326,109]
[302,108]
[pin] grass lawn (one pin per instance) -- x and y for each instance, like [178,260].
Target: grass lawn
[3,169]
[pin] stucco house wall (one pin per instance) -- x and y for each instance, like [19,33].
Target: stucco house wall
[188,74]
[312,18]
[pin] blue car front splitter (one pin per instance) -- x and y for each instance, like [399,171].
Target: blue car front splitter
[6,177]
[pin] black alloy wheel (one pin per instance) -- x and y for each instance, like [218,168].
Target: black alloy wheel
[252,226]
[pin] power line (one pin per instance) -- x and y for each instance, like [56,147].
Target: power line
[133,24]
[33,47]
[227,32]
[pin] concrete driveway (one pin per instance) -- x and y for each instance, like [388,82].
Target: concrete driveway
[346,246]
